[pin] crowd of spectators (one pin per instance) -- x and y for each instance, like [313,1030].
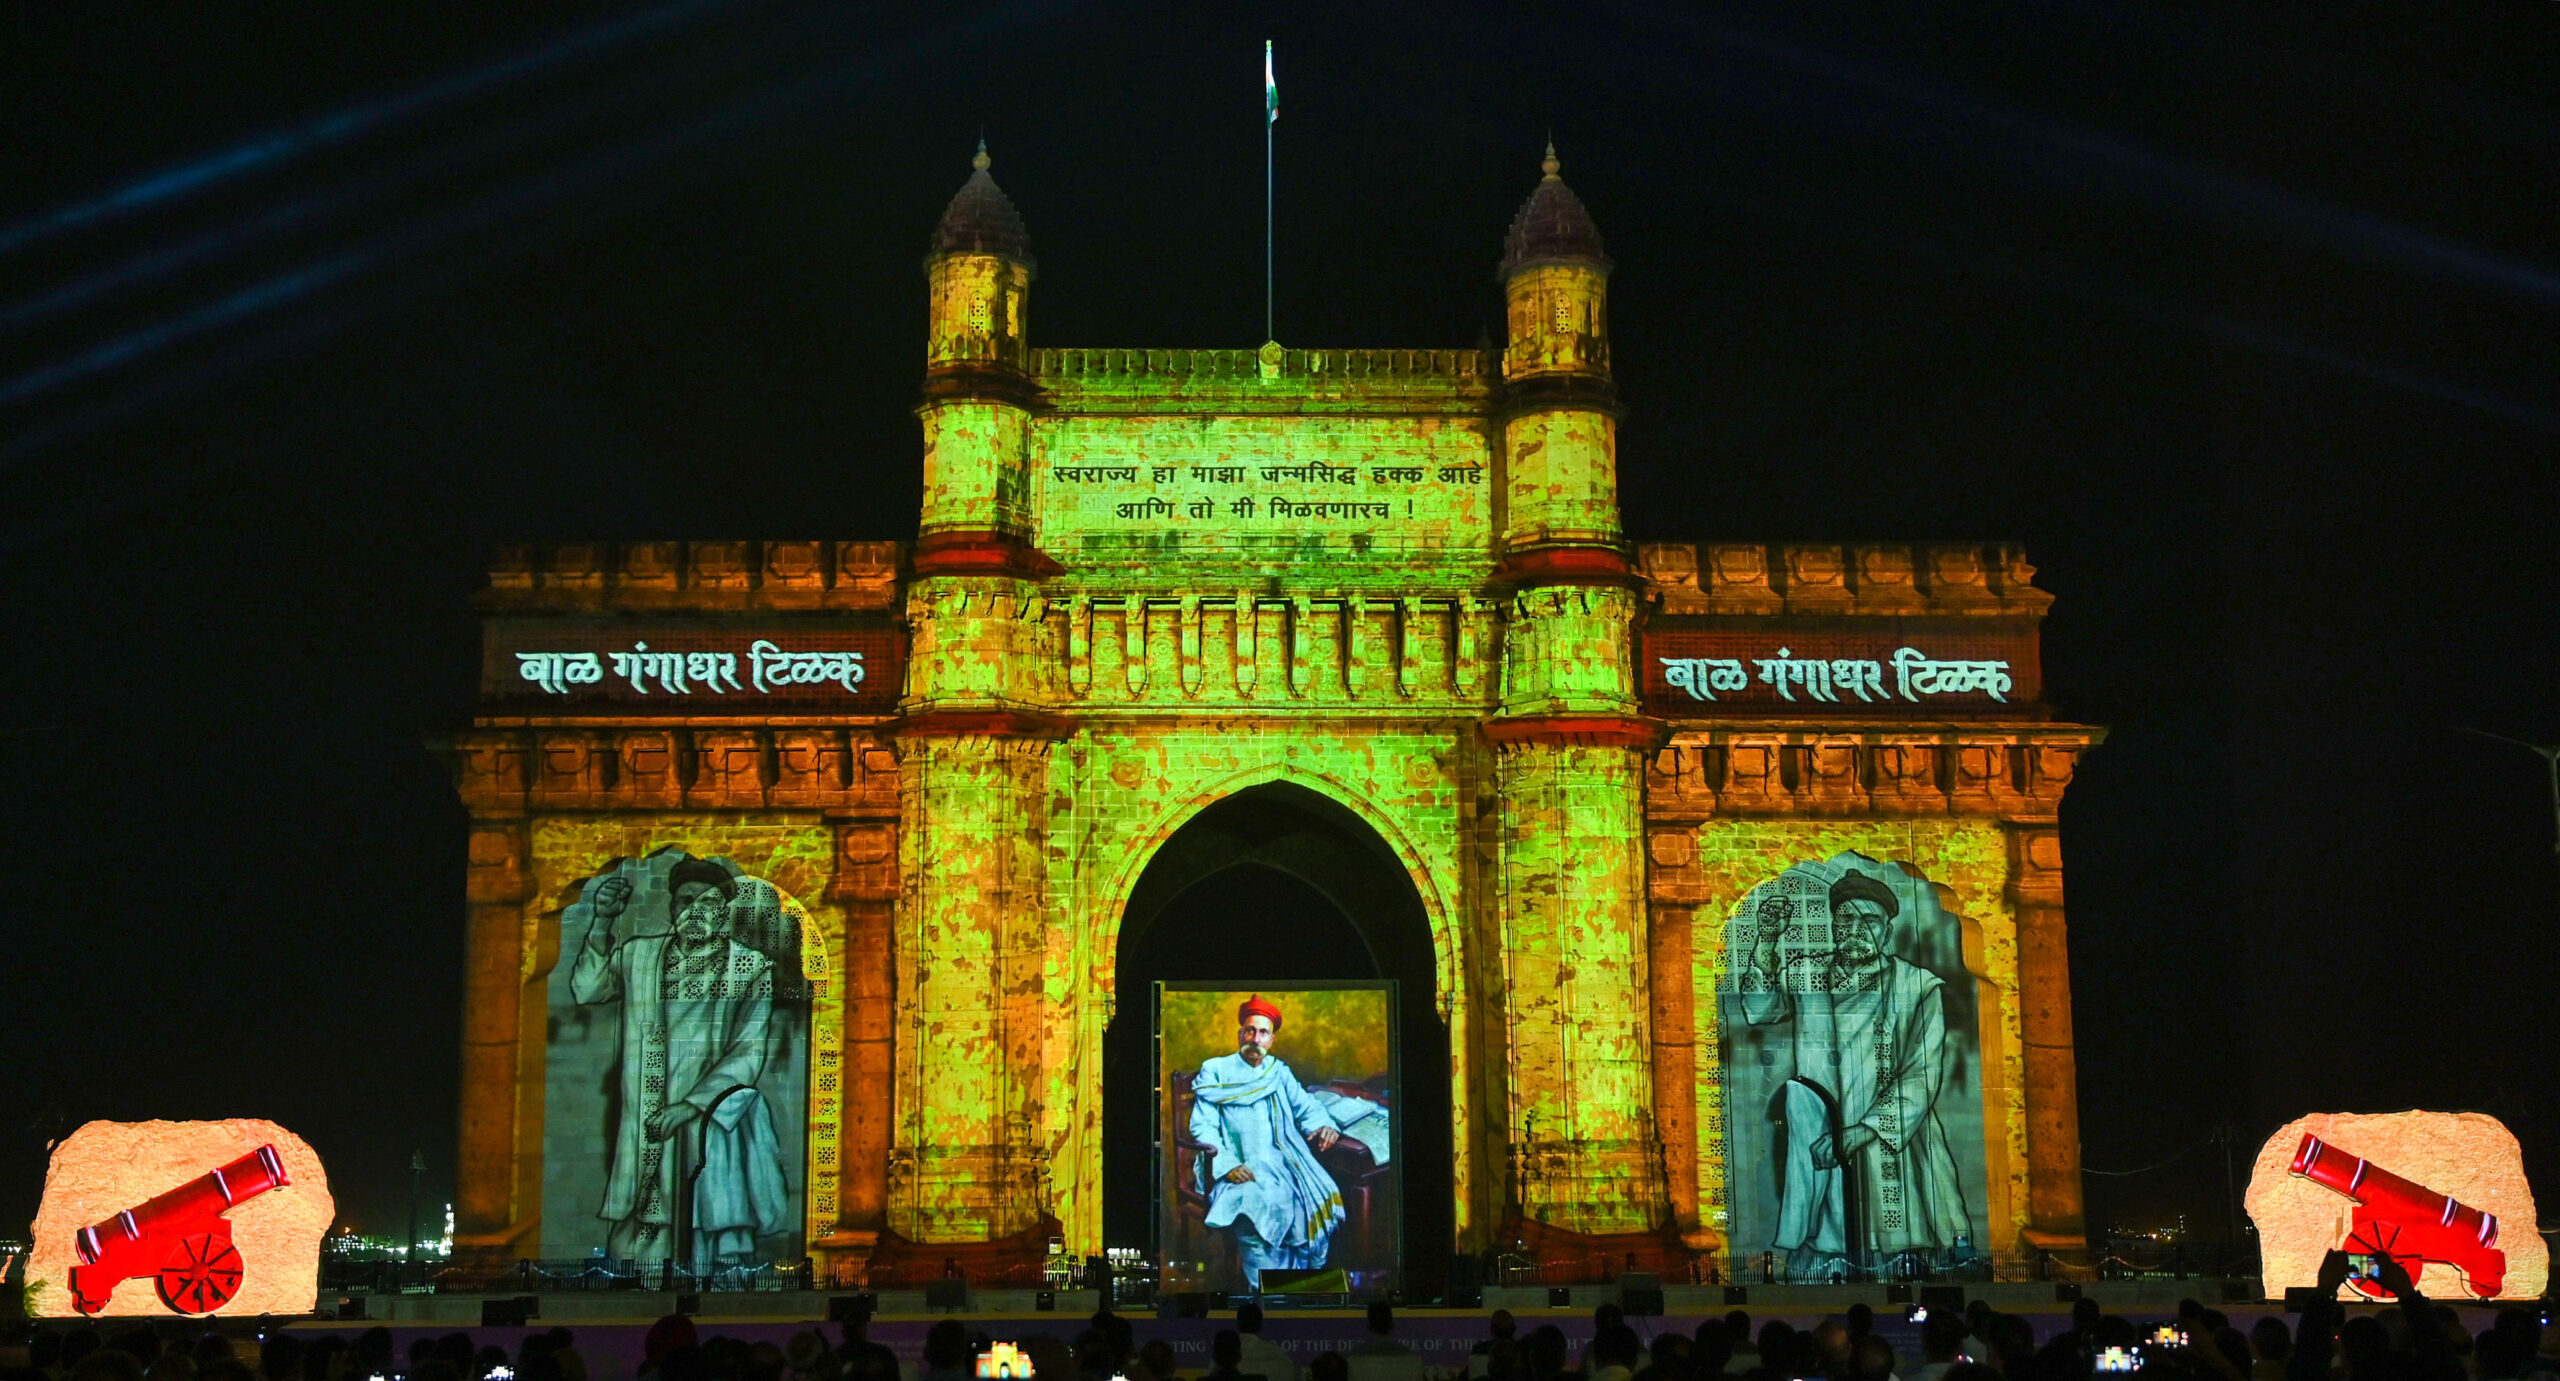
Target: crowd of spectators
[2418,1340]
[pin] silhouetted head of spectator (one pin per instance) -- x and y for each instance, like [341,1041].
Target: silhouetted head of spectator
[2084,1313]
[1737,1326]
[1155,1360]
[1502,1324]
[765,1362]
[1714,1349]
[2270,1339]
[2362,1339]
[1382,1318]
[2234,1347]
[2013,1340]
[1226,1349]
[1942,1337]
[1248,1318]
[1615,1346]
[1860,1319]
[1779,1349]
[2498,1355]
[2190,1310]
[1546,1347]
[2525,1325]
[280,1356]
[1831,1347]
[107,1364]
[1093,1353]
[1871,1359]
[670,1332]
[320,1358]
[1669,1353]
[1331,1366]
[946,1346]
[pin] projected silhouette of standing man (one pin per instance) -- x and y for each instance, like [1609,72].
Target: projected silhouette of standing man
[696,1008]
[1869,1176]
[1267,1189]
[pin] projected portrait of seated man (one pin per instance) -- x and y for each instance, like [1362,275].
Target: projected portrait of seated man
[1268,1191]
[1868,1174]
[696,1010]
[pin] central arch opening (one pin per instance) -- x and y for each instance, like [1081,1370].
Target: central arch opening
[1273,885]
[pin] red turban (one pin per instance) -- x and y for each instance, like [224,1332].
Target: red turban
[1255,1007]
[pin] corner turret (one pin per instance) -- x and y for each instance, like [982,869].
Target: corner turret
[1560,429]
[978,392]
[979,271]
[1556,280]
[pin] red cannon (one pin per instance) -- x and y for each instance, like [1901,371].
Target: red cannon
[180,1238]
[2408,1222]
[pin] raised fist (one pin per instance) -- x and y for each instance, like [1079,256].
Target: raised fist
[1772,919]
[612,895]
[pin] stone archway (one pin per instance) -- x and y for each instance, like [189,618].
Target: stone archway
[1279,882]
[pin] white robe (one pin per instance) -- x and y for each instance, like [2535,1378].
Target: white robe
[1260,1118]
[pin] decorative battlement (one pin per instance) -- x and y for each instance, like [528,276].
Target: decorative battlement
[1971,578]
[1078,379]
[1086,363]
[585,577]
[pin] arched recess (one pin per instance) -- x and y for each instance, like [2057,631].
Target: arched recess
[1929,926]
[1275,883]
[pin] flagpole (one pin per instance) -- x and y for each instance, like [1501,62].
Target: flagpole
[1270,203]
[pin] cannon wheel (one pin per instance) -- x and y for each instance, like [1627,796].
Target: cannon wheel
[200,1276]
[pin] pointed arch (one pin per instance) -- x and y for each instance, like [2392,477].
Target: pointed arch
[1111,901]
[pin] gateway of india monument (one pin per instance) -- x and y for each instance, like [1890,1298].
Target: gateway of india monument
[820,891]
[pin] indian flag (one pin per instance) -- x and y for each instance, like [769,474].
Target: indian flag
[1270,88]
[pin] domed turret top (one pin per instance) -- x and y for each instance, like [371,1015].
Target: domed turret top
[981,218]
[1551,225]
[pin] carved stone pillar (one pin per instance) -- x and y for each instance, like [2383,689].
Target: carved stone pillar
[971,937]
[491,1202]
[866,884]
[1575,929]
[2044,989]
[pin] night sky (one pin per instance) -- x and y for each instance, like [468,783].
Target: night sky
[2241,319]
